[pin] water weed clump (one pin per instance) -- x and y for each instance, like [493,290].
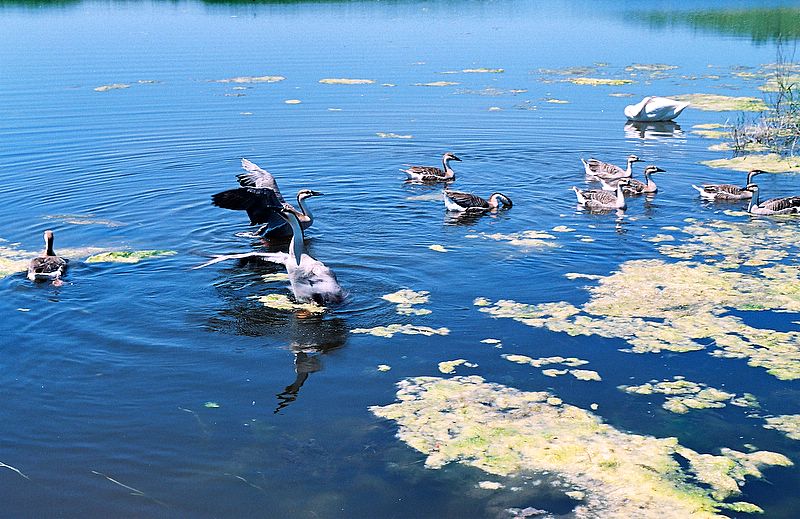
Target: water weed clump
[788,424]
[684,395]
[406,301]
[390,330]
[505,431]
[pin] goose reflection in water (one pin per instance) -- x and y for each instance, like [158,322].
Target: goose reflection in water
[314,338]
[653,130]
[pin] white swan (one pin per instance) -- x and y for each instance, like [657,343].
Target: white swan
[309,278]
[654,108]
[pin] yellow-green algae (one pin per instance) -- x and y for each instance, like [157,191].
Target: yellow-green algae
[437,248]
[505,431]
[657,306]
[346,81]
[406,299]
[437,84]
[282,302]
[483,70]
[596,81]
[526,239]
[720,103]
[449,366]
[650,67]
[544,361]
[712,134]
[384,135]
[788,424]
[390,330]
[684,395]
[770,162]
[133,256]
[734,244]
[251,79]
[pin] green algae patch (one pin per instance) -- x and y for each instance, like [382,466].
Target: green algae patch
[406,301]
[568,71]
[788,424]
[771,162]
[650,67]
[679,307]
[712,134]
[585,374]
[436,247]
[556,101]
[391,330]
[684,395]
[251,79]
[282,302]
[449,366]
[437,84]
[526,239]
[544,361]
[134,256]
[505,432]
[113,86]
[483,71]
[720,103]
[596,81]
[346,81]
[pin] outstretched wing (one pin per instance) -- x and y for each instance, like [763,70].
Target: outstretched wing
[259,178]
[262,205]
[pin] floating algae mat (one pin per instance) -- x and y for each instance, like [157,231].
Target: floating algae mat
[720,103]
[508,432]
[134,256]
[406,301]
[680,307]
[684,395]
[251,79]
[771,162]
[595,81]
[788,424]
[391,330]
[282,302]
[526,239]
[346,81]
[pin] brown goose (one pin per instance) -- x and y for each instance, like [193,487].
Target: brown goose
[431,173]
[48,266]
[261,198]
[606,171]
[635,186]
[728,191]
[469,203]
[599,199]
[773,206]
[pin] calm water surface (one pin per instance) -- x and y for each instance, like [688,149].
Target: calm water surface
[108,376]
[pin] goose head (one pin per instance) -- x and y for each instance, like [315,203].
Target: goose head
[450,156]
[633,158]
[500,198]
[751,174]
[307,193]
[649,170]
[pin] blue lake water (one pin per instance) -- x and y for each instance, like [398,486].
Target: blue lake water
[178,384]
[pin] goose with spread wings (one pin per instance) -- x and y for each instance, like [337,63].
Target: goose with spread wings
[260,196]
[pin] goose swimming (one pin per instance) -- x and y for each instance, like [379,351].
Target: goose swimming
[48,266]
[653,108]
[728,191]
[469,203]
[431,173]
[635,186]
[606,171]
[309,278]
[261,198]
[773,206]
[595,199]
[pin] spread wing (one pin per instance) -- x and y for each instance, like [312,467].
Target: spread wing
[259,178]
[261,204]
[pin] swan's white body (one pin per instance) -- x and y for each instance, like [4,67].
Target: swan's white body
[309,278]
[654,108]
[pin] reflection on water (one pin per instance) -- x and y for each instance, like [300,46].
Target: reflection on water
[761,25]
[653,131]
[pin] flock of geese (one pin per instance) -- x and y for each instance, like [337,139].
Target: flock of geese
[617,183]
[311,281]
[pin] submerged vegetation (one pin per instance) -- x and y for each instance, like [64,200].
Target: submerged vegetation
[508,432]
